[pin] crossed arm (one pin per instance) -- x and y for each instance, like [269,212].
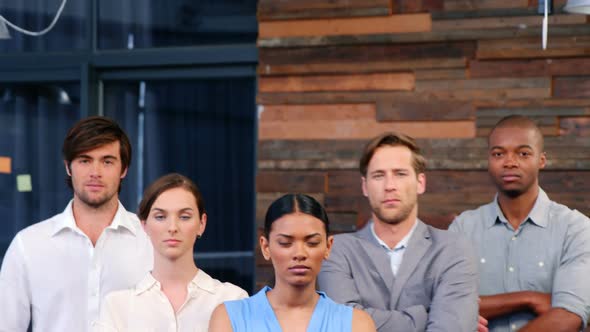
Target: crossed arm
[453,306]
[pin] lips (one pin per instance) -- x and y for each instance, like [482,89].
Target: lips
[299,269]
[510,177]
[172,242]
[390,201]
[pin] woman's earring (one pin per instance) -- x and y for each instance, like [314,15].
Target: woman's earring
[198,236]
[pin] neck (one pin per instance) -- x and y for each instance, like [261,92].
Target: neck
[289,296]
[93,220]
[516,209]
[178,271]
[392,234]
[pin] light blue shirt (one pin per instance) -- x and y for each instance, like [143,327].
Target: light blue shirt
[396,255]
[549,253]
[255,314]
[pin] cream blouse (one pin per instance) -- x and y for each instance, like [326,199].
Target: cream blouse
[145,308]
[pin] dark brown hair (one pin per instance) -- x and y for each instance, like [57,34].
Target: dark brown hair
[164,183]
[392,139]
[91,133]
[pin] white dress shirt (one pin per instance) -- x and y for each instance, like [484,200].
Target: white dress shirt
[396,255]
[53,271]
[146,308]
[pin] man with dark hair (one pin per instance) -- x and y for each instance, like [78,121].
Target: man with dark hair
[408,276]
[58,270]
[534,254]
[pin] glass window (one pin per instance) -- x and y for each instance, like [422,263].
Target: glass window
[204,129]
[34,119]
[151,23]
[69,33]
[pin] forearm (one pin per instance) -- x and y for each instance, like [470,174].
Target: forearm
[408,320]
[493,306]
[555,320]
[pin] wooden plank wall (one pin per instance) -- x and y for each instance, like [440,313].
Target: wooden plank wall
[333,73]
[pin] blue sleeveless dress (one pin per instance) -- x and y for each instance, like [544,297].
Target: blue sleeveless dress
[255,314]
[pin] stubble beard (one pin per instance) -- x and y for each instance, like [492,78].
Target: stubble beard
[95,203]
[397,217]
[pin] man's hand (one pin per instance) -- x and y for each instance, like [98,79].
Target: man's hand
[539,303]
[482,324]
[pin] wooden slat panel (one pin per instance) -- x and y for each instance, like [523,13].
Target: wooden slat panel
[361,129]
[519,22]
[296,9]
[277,181]
[487,88]
[457,5]
[574,126]
[416,6]
[361,67]
[423,109]
[368,53]
[289,113]
[530,103]
[565,152]
[368,82]
[427,37]
[572,87]
[440,74]
[346,26]
[523,68]
[531,47]
[498,113]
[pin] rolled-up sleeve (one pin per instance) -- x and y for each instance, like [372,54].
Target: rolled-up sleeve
[571,289]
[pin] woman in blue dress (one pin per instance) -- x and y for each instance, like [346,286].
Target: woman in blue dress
[296,241]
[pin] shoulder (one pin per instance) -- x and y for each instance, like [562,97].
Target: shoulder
[448,247]
[225,291]
[39,232]
[348,240]
[470,219]
[362,321]
[118,301]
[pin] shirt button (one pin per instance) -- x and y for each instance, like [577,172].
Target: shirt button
[513,327]
[514,238]
[541,264]
[483,260]
[511,269]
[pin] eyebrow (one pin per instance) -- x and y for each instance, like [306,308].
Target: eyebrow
[163,210]
[306,237]
[518,147]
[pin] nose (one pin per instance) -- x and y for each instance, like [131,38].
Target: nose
[300,252]
[96,169]
[390,184]
[173,226]
[510,161]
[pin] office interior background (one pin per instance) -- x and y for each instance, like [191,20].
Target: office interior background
[253,99]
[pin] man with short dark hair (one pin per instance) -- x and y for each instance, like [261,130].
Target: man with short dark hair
[407,275]
[534,254]
[59,269]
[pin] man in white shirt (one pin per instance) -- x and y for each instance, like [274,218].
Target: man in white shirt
[59,270]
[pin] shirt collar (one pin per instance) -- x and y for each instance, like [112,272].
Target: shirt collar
[401,244]
[538,214]
[201,281]
[121,219]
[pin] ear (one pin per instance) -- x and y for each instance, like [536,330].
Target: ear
[124,173]
[264,247]
[67,168]
[203,223]
[329,245]
[421,183]
[542,160]
[364,186]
